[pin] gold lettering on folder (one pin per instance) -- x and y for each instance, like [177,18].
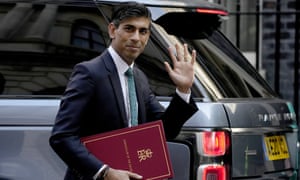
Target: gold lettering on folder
[127,154]
[144,154]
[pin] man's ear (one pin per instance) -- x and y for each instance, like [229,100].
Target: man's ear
[111,30]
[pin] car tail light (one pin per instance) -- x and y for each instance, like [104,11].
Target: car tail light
[214,143]
[215,146]
[213,172]
[212,11]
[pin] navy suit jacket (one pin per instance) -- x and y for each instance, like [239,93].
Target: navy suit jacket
[93,103]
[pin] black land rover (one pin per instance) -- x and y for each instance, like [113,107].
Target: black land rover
[242,130]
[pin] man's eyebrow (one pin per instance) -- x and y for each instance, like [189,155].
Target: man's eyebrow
[130,25]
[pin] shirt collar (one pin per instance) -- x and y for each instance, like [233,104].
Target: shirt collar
[121,65]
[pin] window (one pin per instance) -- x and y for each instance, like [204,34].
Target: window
[87,35]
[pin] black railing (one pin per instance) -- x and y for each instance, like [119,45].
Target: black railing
[296,58]
[278,12]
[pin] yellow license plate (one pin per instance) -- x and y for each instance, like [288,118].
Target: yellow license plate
[276,147]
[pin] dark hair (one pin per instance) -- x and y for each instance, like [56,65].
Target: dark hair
[128,10]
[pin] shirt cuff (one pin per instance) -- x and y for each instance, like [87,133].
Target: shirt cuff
[184,96]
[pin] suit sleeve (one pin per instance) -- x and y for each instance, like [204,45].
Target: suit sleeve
[176,114]
[65,139]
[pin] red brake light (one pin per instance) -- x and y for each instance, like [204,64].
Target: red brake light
[214,143]
[215,172]
[211,11]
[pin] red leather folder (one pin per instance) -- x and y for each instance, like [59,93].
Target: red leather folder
[141,149]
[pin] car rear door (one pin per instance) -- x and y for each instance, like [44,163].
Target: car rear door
[264,138]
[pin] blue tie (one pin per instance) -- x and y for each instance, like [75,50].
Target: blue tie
[132,97]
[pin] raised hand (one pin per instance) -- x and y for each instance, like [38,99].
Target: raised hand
[182,73]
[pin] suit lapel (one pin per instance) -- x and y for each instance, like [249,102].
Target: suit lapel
[141,107]
[115,82]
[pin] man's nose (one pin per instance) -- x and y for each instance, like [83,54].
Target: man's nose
[136,35]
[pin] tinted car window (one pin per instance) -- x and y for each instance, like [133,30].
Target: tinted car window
[40,64]
[235,77]
[38,60]
[221,42]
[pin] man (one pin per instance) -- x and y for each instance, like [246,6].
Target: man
[96,97]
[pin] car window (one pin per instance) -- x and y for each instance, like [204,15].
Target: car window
[38,59]
[221,42]
[39,51]
[231,72]
[39,62]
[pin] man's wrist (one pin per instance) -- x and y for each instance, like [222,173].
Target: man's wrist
[184,90]
[102,172]
[184,96]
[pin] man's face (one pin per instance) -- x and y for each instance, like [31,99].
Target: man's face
[130,38]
